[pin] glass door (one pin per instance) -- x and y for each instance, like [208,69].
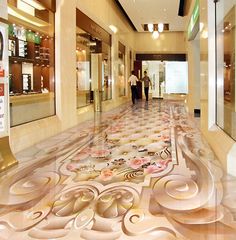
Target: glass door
[225,62]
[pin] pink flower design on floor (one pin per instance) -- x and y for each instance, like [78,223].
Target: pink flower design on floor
[86,150]
[80,156]
[114,129]
[71,167]
[99,153]
[106,174]
[158,167]
[138,162]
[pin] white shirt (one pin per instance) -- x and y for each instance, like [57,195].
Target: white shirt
[133,80]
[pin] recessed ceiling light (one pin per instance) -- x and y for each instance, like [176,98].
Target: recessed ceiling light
[150,27]
[160,27]
[164,9]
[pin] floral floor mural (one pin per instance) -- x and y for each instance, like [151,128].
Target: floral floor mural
[133,173]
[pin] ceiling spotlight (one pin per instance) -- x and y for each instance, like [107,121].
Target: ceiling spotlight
[160,27]
[150,27]
[155,35]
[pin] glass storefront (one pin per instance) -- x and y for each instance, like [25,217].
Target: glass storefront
[31,61]
[225,59]
[167,77]
[91,47]
[106,73]
[85,46]
[121,70]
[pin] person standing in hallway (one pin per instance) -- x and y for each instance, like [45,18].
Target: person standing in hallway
[133,83]
[147,82]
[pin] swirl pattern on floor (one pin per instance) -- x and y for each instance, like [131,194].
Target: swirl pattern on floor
[133,173]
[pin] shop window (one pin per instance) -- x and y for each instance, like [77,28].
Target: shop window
[31,61]
[85,46]
[225,59]
[121,69]
[106,72]
[91,41]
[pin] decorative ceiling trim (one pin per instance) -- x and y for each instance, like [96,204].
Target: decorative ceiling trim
[161,57]
[155,26]
[125,14]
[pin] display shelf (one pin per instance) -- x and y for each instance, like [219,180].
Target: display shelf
[29,98]
[35,51]
[20,60]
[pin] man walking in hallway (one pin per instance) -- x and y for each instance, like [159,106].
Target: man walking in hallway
[146,81]
[133,83]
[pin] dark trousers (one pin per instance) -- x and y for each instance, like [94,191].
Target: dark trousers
[134,93]
[146,90]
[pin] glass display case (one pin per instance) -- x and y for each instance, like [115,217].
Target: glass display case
[31,62]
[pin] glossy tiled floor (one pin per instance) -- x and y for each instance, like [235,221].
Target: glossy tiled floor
[139,172]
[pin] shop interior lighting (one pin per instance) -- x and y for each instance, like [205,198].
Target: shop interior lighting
[113,28]
[34,4]
[201,26]
[160,27]
[205,34]
[91,44]
[150,27]
[17,14]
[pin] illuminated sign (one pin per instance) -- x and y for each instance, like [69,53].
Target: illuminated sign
[193,26]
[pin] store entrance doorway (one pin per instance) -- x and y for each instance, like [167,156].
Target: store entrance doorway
[156,72]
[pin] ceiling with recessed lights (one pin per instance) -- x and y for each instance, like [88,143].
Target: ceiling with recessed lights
[155,11]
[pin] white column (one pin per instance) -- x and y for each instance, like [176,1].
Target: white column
[194,89]
[65,31]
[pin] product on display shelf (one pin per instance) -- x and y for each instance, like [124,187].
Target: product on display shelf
[26,82]
[22,46]
[11,48]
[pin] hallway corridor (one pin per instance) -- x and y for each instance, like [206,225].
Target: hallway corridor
[137,172]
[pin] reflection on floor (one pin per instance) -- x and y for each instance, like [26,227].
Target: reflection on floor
[141,172]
